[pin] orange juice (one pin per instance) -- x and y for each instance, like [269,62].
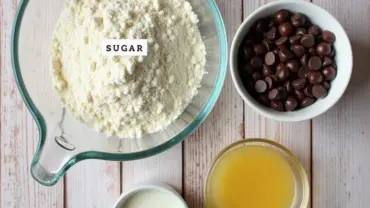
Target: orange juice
[251,177]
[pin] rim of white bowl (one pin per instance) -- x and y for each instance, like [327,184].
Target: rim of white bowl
[150,186]
[265,111]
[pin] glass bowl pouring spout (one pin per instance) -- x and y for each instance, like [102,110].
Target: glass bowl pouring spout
[63,140]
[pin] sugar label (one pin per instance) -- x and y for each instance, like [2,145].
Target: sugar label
[125,47]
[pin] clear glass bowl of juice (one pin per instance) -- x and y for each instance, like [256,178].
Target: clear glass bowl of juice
[256,173]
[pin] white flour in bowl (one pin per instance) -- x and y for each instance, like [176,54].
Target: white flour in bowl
[127,96]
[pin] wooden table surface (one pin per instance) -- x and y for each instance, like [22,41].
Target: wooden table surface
[334,147]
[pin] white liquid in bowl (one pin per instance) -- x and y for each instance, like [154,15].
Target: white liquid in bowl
[153,199]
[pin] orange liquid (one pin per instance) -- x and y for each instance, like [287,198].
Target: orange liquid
[251,177]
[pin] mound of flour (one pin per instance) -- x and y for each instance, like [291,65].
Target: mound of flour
[127,96]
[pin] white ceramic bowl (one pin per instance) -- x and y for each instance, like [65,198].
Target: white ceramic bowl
[344,59]
[151,186]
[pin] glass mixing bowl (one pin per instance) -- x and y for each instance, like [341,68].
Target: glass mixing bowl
[63,140]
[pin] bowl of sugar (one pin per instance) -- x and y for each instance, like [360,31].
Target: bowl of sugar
[64,138]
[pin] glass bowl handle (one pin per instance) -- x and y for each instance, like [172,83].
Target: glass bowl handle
[52,159]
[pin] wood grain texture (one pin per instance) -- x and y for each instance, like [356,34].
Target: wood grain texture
[165,167]
[92,184]
[341,137]
[296,136]
[222,127]
[18,134]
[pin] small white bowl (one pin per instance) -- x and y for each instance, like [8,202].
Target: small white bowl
[344,58]
[152,186]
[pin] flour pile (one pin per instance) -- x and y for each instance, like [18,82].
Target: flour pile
[127,96]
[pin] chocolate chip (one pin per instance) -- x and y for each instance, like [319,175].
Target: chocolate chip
[282,74]
[274,94]
[270,82]
[277,105]
[330,73]
[315,63]
[303,72]
[252,37]
[308,90]
[298,50]
[315,77]
[328,36]
[327,61]
[314,30]
[323,49]
[248,52]
[319,91]
[332,54]
[296,39]
[279,66]
[304,60]
[298,20]
[250,87]
[270,58]
[308,40]
[260,86]
[286,29]
[301,31]
[283,92]
[248,42]
[259,49]
[271,22]
[248,69]
[319,39]
[256,62]
[256,76]
[288,86]
[262,25]
[293,76]
[271,34]
[269,45]
[281,16]
[267,70]
[285,55]
[274,77]
[263,98]
[281,42]
[312,51]
[299,84]
[291,103]
[307,102]
[276,51]
[326,85]
[299,95]
[293,65]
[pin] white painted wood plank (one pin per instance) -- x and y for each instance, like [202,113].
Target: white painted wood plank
[222,127]
[341,137]
[296,136]
[93,184]
[18,134]
[165,167]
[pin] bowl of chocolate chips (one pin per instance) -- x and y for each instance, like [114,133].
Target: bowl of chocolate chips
[291,60]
